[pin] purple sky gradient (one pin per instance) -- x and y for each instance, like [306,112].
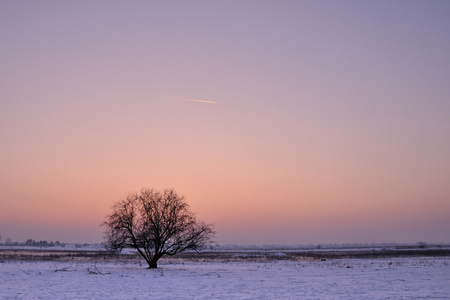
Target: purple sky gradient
[331,123]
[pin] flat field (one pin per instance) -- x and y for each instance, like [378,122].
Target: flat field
[29,274]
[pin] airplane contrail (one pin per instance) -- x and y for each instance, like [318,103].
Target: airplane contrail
[203,101]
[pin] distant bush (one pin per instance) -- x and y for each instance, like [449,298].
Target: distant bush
[422,245]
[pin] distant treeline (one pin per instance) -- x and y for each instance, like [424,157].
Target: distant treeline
[33,243]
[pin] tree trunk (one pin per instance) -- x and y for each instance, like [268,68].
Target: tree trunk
[153,264]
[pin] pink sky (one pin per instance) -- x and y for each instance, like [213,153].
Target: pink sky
[322,122]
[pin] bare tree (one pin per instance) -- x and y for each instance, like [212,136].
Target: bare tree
[155,224]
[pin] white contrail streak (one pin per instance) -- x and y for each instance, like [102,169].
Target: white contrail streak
[203,101]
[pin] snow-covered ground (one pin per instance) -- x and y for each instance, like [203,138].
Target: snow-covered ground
[392,278]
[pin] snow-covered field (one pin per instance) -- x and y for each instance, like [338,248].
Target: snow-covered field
[390,278]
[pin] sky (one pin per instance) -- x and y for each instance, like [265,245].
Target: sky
[281,122]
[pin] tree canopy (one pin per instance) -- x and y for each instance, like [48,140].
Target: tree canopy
[155,224]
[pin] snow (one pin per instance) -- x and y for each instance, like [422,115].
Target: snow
[393,278]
